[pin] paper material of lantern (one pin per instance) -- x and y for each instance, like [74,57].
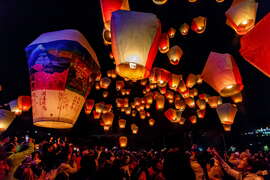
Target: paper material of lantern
[24,103]
[63,68]
[184,29]
[134,128]
[14,107]
[135,38]
[199,24]
[171,32]
[241,15]
[255,46]
[237,98]
[173,115]
[6,118]
[123,140]
[164,43]
[226,113]
[160,102]
[219,1]
[193,119]
[174,54]
[151,122]
[182,86]
[121,102]
[159,2]
[108,118]
[191,80]
[122,123]
[174,81]
[222,73]
[88,106]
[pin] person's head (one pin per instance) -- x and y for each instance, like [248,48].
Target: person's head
[10,148]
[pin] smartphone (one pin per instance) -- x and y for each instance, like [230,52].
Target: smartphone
[26,138]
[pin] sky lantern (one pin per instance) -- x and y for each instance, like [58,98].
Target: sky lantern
[106,128]
[133,113]
[6,118]
[63,68]
[149,98]
[174,54]
[160,102]
[24,103]
[255,46]
[182,121]
[222,74]
[134,128]
[105,82]
[97,86]
[192,1]
[123,140]
[108,118]
[160,76]
[191,80]
[201,104]
[14,107]
[120,84]
[199,79]
[174,81]
[135,38]
[143,82]
[214,101]
[164,43]
[151,122]
[237,98]
[122,123]
[173,115]
[219,1]
[184,29]
[128,110]
[199,24]
[107,108]
[88,105]
[193,92]
[226,113]
[105,94]
[180,104]
[99,107]
[169,94]
[163,90]
[182,86]
[171,32]
[185,94]
[201,113]
[204,97]
[193,119]
[159,2]
[96,115]
[241,15]
[142,114]
[190,102]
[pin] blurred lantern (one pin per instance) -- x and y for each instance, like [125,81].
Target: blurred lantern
[174,54]
[180,104]
[99,107]
[199,79]
[121,102]
[222,73]
[147,88]
[214,101]
[123,109]
[128,110]
[134,128]
[144,91]
[255,46]
[143,82]
[193,119]
[182,86]
[111,55]
[135,37]
[24,103]
[153,86]
[199,24]
[237,98]
[14,107]
[96,114]
[193,92]
[123,92]
[105,94]
[133,113]
[122,123]
[97,86]
[106,35]
[174,81]
[63,68]
[123,140]
[128,91]
[105,82]
[119,85]
[171,101]
[159,2]
[204,97]
[190,102]
[160,102]
[182,121]
[171,32]
[111,73]
[108,118]
[177,97]
[6,118]
[151,122]
[148,114]
[149,98]
[201,113]
[191,80]
[241,15]
[219,1]
[98,76]
[101,123]
[164,43]
[107,108]
[88,106]
[163,90]
[106,128]
[184,28]
[201,104]
[147,106]
[173,115]
[159,76]
[142,114]
[169,94]
[192,1]
[226,113]
[185,94]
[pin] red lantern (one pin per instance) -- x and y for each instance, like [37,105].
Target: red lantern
[190,102]
[164,43]
[160,102]
[174,81]
[171,32]
[199,24]
[173,115]
[180,104]
[88,106]
[184,28]
[24,103]
[201,113]
[193,119]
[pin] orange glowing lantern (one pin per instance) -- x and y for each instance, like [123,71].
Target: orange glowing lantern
[153,86]
[151,122]
[193,119]
[105,82]
[214,101]
[97,86]
[147,106]
[106,128]
[149,98]
[241,15]
[111,55]
[133,113]
[173,115]
[163,90]
[123,140]
[6,118]
[121,102]
[182,87]
[201,113]
[192,1]
[204,97]
[164,43]
[134,128]
[174,54]
[107,108]
[237,98]
[128,110]
[142,114]
[88,106]
[184,29]
[160,76]
[143,82]
[219,1]
[96,114]
[99,107]
[159,2]
[24,103]
[190,102]
[226,113]
[222,73]
[199,24]
[185,94]
[201,104]
[134,43]
[108,118]
[193,92]
[180,104]
[14,107]
[191,80]
[119,85]
[171,32]
[105,94]
[160,102]
[199,79]
[174,81]
[169,94]
[122,123]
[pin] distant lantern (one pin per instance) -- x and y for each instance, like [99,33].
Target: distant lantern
[14,107]
[193,119]
[226,113]
[173,115]
[159,2]
[182,121]
[199,24]
[161,76]
[143,82]
[147,106]
[164,43]
[153,86]
[122,123]
[134,128]
[201,113]
[185,94]
[214,101]
[241,15]
[174,81]
[151,122]
[201,104]
[169,94]
[108,118]
[199,79]
[6,118]
[123,140]
[219,1]
[105,82]
[105,94]
[142,114]
[237,98]
[96,115]
[193,92]
[192,1]
[133,113]
[24,103]
[191,80]
[107,108]
[180,104]
[88,106]
[97,86]
[99,107]
[174,54]
[160,102]
[182,86]
[128,110]
[184,29]
[120,84]
[106,128]
[222,73]
[98,76]
[204,97]
[190,102]
[171,32]
[135,38]
[63,67]
[163,90]
[149,98]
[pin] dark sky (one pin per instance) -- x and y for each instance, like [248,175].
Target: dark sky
[22,21]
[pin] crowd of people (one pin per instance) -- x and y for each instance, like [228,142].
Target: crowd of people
[59,159]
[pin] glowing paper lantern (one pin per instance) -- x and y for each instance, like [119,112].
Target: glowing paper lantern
[237,98]
[123,140]
[122,123]
[201,104]
[160,76]
[182,86]
[63,68]
[190,102]
[105,82]
[106,128]
[173,115]
[105,94]
[97,86]
[241,15]
[88,106]
[159,2]
[201,113]
[174,54]
[182,121]
[191,80]
[219,1]
[119,85]
[169,94]
[193,92]
[108,118]
[160,102]
[193,119]
[143,82]
[199,79]
[185,94]
[134,128]
[226,113]
[14,107]
[174,81]
[142,114]
[121,102]
[107,108]
[151,122]
[192,1]
[164,43]
[171,32]
[135,38]
[99,107]
[214,101]
[222,73]
[184,29]
[149,98]
[199,24]
[133,113]
[24,103]
[128,110]
[96,114]
[180,104]
[163,90]
[255,46]
[6,118]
